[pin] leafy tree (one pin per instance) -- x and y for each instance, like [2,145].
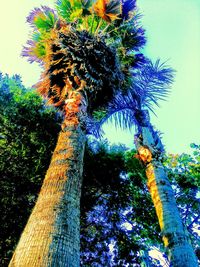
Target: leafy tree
[32,135]
[116,220]
[87,50]
[119,211]
[114,186]
[184,173]
[151,84]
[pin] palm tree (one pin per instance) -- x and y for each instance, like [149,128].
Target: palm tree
[151,84]
[83,49]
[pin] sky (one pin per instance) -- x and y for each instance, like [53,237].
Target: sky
[172,30]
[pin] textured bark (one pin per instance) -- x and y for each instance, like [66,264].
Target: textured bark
[52,234]
[175,236]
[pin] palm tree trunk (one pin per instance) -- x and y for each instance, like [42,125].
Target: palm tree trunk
[51,236]
[174,234]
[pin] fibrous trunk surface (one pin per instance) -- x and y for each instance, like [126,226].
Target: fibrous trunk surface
[51,236]
[174,234]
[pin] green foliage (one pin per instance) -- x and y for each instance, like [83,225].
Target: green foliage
[99,114]
[116,208]
[184,172]
[64,9]
[69,9]
[43,23]
[80,14]
[43,19]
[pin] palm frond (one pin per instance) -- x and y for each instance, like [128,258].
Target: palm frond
[64,8]
[152,83]
[42,19]
[72,10]
[127,8]
[121,110]
[133,37]
[128,38]
[86,5]
[114,9]
[123,119]
[94,127]
[35,50]
[108,10]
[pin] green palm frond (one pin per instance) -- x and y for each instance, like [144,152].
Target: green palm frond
[71,10]
[42,19]
[64,8]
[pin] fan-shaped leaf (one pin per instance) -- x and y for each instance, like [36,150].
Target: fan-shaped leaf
[107,10]
[43,19]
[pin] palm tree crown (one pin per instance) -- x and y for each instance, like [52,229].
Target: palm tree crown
[86,48]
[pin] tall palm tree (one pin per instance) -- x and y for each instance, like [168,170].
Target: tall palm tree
[151,84]
[86,49]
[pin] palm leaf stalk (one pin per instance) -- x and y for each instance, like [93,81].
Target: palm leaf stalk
[83,66]
[152,82]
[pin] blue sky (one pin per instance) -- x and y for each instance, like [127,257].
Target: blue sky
[172,28]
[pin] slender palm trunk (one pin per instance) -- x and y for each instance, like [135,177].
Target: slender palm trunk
[51,236]
[175,236]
